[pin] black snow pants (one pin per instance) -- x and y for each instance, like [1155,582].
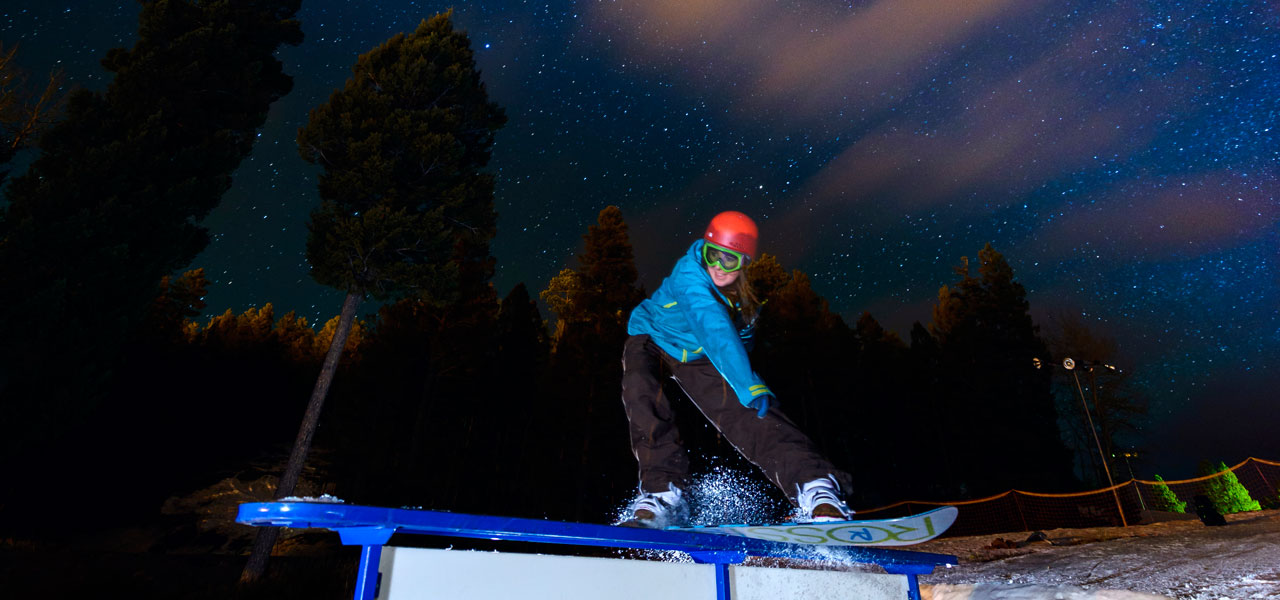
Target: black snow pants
[773,443]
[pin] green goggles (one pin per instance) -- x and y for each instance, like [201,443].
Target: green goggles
[727,260]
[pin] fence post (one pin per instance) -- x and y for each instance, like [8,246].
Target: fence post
[1017,503]
[1270,488]
[1123,521]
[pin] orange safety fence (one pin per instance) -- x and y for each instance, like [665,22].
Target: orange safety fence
[1122,504]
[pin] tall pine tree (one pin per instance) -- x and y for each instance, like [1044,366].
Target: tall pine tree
[519,449]
[592,304]
[799,343]
[406,210]
[1004,427]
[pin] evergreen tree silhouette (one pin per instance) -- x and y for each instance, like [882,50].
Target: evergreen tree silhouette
[592,304]
[523,344]
[1004,427]
[111,204]
[876,383]
[406,210]
[801,343]
[767,276]
[939,469]
[180,300]
[519,438]
[381,412]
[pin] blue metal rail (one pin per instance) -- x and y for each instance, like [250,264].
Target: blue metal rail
[371,527]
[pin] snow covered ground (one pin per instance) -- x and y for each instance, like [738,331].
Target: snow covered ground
[1179,559]
[1175,559]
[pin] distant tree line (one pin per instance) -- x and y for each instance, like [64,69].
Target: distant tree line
[454,405]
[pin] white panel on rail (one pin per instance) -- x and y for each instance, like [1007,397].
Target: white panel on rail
[422,574]
[761,583]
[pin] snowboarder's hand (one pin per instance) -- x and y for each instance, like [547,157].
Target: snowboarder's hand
[761,404]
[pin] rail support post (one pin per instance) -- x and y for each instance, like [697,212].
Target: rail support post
[911,571]
[371,540]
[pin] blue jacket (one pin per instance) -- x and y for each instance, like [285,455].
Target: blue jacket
[689,318]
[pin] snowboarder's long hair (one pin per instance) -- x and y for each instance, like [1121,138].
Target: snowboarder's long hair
[740,293]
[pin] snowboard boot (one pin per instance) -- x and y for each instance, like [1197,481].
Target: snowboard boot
[819,501]
[658,510]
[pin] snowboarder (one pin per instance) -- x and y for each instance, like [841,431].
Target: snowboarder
[700,324]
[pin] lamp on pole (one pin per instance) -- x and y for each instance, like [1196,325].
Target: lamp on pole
[1070,365]
[1127,455]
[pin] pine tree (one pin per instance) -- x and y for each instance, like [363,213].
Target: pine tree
[380,414]
[876,385]
[923,395]
[560,294]
[594,302]
[601,292]
[767,276]
[297,339]
[180,300]
[799,342]
[609,269]
[406,210]
[998,402]
[523,344]
[113,202]
[1165,499]
[519,447]
[1225,491]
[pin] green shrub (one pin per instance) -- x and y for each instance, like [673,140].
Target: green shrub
[1225,491]
[1165,499]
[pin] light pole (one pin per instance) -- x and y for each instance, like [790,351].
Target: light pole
[1070,365]
[1127,455]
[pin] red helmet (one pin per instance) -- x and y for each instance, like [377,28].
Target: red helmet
[735,231]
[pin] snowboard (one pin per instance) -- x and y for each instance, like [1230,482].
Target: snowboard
[901,531]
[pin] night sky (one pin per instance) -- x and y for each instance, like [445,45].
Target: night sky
[1122,156]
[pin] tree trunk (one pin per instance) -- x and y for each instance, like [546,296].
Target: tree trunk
[266,537]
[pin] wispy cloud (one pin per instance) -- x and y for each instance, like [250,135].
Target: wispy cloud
[937,113]
[1006,139]
[801,63]
[1186,216]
